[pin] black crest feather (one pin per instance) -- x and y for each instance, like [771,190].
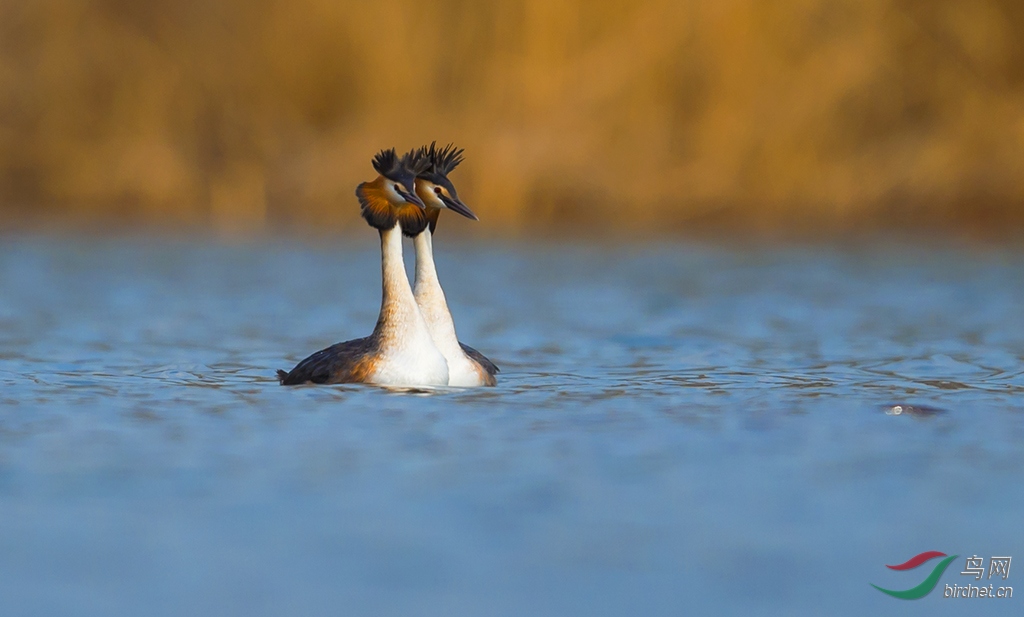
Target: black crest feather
[415,162]
[397,169]
[386,162]
[446,159]
[439,162]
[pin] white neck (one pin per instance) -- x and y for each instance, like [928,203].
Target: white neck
[407,355]
[431,300]
[398,310]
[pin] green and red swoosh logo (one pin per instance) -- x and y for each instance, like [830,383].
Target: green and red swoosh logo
[926,586]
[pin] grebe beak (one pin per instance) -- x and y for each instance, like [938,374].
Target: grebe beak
[456,205]
[411,197]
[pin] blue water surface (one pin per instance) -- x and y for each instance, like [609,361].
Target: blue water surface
[678,429]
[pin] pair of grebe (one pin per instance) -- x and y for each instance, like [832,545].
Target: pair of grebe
[414,342]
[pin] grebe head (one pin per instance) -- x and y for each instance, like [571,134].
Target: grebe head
[433,185]
[391,198]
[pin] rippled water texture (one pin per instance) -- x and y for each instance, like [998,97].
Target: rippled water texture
[677,430]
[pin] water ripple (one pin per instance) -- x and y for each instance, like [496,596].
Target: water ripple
[662,415]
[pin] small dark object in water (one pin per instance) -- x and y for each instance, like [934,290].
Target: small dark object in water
[921,411]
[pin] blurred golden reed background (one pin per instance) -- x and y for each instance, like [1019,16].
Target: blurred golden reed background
[664,115]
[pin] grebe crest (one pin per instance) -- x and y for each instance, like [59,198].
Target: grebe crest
[433,185]
[392,198]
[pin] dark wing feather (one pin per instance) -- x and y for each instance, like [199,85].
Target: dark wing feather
[480,358]
[340,363]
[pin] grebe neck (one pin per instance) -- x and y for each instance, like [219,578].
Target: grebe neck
[398,305]
[431,300]
[426,272]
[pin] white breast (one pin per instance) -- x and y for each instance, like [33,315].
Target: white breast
[464,373]
[411,359]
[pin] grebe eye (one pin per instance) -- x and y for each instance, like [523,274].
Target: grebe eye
[437,190]
[397,189]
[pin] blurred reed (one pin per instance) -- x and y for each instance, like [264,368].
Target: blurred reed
[664,115]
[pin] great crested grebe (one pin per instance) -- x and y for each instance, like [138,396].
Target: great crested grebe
[467,367]
[400,352]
